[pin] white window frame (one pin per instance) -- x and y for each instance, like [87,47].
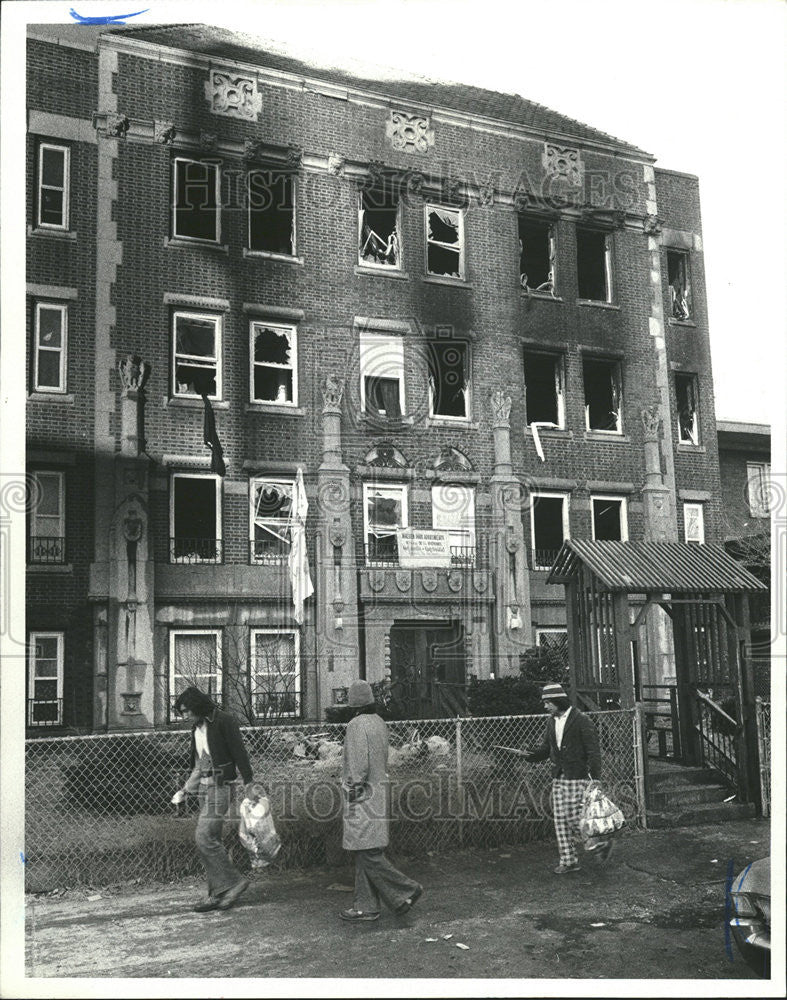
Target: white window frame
[61,308]
[696,440]
[607,264]
[294,183]
[758,475]
[195,360]
[253,672]
[559,370]
[37,520]
[550,495]
[380,366]
[216,695]
[616,365]
[686,257]
[172,534]
[398,266]
[399,489]
[624,521]
[700,508]
[292,333]
[468,529]
[467,387]
[66,189]
[287,485]
[551,250]
[459,212]
[58,677]
[195,239]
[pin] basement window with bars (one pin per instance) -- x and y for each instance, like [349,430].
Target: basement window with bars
[609,519]
[549,527]
[449,379]
[45,678]
[194,661]
[275,673]
[379,228]
[679,284]
[445,254]
[382,375]
[686,397]
[536,255]
[603,395]
[272,212]
[271,503]
[195,201]
[544,395]
[195,521]
[593,265]
[196,346]
[274,371]
[384,510]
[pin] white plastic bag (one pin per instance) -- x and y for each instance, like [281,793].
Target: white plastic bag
[257,832]
[600,816]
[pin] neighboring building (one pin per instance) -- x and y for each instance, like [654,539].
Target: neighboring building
[455,310]
[746,493]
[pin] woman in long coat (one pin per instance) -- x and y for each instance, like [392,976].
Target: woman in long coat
[365,784]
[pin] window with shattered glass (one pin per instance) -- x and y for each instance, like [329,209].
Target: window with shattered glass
[382,375]
[536,255]
[273,364]
[271,519]
[549,527]
[449,379]
[679,285]
[195,200]
[379,231]
[694,523]
[686,396]
[609,519]
[385,510]
[593,266]
[195,518]
[603,409]
[544,397]
[196,369]
[272,212]
[444,242]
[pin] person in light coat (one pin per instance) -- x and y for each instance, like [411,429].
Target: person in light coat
[365,785]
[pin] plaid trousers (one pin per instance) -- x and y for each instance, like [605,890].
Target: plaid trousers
[567,796]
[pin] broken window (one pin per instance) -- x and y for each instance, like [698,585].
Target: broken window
[444,242]
[686,396]
[609,519]
[679,286]
[603,409]
[273,364]
[544,396]
[536,255]
[45,678]
[275,673]
[272,212]
[53,186]
[47,540]
[196,200]
[758,476]
[379,242]
[693,523]
[51,329]
[593,265]
[271,519]
[194,661]
[195,524]
[548,527]
[384,510]
[449,379]
[453,510]
[382,375]
[196,343]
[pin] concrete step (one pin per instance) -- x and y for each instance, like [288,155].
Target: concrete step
[668,798]
[675,776]
[702,813]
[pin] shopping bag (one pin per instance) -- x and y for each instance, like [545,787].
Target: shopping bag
[600,816]
[257,832]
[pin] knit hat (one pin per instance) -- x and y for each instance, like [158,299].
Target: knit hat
[360,694]
[552,691]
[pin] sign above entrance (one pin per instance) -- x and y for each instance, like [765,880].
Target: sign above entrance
[422,547]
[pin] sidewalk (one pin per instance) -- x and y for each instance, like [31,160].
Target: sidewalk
[660,901]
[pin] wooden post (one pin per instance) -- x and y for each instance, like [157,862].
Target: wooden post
[622,630]
[688,741]
[748,768]
[572,625]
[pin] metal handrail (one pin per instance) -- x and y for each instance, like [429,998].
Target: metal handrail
[717,748]
[718,709]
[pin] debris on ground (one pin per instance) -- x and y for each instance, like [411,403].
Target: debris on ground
[338,887]
[464,947]
[447,937]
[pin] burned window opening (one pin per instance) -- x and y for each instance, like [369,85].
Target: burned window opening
[272,212]
[680,289]
[536,256]
[382,396]
[273,364]
[378,227]
[196,370]
[543,389]
[382,375]
[196,202]
[608,523]
[271,513]
[602,395]
[385,510]
[444,242]
[549,529]
[195,535]
[449,379]
[592,265]
[686,397]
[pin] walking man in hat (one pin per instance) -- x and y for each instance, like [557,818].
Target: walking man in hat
[365,785]
[571,744]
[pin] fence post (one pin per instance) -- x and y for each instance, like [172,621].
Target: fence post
[459,778]
[639,763]
[762,756]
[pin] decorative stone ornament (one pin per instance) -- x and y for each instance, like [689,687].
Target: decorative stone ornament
[452,189]
[133,372]
[562,161]
[336,164]
[332,393]
[651,420]
[294,156]
[651,224]
[164,133]
[409,133]
[117,125]
[233,96]
[486,193]
[253,150]
[501,408]
[207,141]
[376,172]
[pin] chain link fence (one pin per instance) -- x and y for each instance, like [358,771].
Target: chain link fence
[98,807]
[763,714]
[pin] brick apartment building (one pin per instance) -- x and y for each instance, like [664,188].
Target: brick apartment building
[456,312]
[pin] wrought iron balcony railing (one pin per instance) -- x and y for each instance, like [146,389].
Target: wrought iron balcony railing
[46,549]
[268,551]
[196,550]
[541,558]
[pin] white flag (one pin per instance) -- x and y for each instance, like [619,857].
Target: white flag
[298,562]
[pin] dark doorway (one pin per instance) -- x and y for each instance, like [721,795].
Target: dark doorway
[428,668]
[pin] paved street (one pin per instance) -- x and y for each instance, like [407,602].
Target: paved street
[655,911]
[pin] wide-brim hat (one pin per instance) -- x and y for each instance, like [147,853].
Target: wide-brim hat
[552,691]
[360,694]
